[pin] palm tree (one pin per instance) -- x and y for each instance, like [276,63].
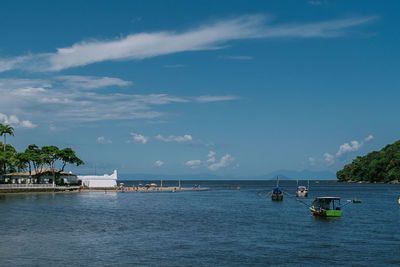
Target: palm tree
[4,130]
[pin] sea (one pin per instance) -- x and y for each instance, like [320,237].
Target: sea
[224,226]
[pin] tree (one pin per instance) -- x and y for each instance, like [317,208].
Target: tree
[34,155]
[67,155]
[50,154]
[7,159]
[377,166]
[4,130]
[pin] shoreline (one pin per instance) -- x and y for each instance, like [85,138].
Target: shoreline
[367,182]
[65,190]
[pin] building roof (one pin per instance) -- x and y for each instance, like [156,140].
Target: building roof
[39,171]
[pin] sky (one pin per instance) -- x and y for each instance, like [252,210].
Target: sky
[226,88]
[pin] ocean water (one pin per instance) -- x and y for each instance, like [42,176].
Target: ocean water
[220,227]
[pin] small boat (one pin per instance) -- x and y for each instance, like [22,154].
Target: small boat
[326,207]
[355,200]
[302,191]
[277,192]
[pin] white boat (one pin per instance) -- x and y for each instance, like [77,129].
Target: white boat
[302,191]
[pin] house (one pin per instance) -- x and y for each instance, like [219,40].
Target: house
[41,176]
[99,181]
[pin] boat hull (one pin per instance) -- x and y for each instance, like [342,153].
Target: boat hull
[301,194]
[276,197]
[326,213]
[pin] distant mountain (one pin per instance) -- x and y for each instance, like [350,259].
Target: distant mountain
[377,166]
[282,174]
[303,175]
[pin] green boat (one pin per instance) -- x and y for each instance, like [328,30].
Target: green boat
[326,207]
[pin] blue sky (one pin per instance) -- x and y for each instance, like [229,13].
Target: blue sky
[213,87]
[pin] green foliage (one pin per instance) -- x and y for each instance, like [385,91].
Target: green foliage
[377,166]
[34,157]
[7,159]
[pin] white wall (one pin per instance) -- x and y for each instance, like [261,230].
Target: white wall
[99,181]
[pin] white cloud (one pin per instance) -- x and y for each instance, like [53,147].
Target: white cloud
[90,82]
[51,100]
[172,138]
[138,138]
[207,37]
[351,146]
[368,138]
[212,163]
[159,163]
[346,147]
[211,158]
[223,162]
[312,161]
[205,99]
[329,158]
[102,140]
[14,121]
[193,163]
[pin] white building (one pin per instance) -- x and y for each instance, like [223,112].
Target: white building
[104,181]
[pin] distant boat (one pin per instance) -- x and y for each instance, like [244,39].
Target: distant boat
[277,192]
[326,207]
[302,191]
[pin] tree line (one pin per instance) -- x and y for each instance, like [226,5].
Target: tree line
[33,157]
[377,166]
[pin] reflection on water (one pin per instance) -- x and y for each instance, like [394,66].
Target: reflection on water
[219,227]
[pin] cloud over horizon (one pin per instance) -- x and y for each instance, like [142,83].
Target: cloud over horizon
[352,146]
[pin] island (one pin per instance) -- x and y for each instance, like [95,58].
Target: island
[381,166]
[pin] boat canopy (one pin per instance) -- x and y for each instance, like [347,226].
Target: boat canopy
[277,190]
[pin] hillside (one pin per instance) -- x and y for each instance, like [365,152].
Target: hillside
[377,166]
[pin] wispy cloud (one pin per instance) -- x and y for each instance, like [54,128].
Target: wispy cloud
[223,162]
[53,100]
[238,57]
[14,121]
[212,163]
[103,140]
[194,163]
[209,98]
[206,37]
[90,82]
[159,163]
[172,138]
[138,138]
[329,159]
